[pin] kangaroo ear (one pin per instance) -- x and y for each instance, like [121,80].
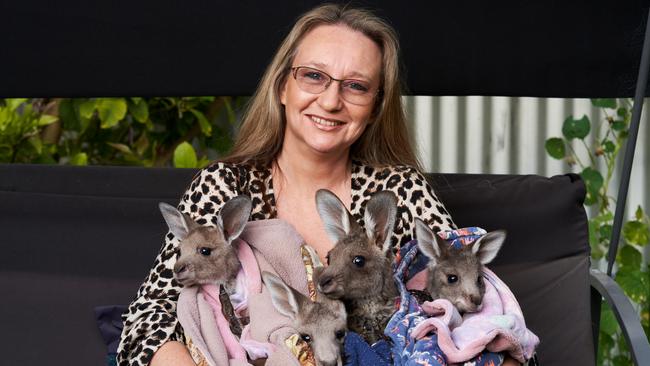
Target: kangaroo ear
[379,218]
[315,259]
[427,241]
[179,224]
[487,247]
[336,218]
[234,216]
[285,299]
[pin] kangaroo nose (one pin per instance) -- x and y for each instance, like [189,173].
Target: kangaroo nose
[476,300]
[180,269]
[325,283]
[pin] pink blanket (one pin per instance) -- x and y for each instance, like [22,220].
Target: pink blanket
[498,327]
[269,245]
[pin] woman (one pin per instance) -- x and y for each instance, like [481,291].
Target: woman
[327,114]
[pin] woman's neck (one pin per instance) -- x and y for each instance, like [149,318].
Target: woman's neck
[308,172]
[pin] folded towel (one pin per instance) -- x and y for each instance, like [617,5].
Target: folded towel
[498,327]
[424,350]
[199,309]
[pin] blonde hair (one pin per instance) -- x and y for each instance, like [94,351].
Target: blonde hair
[385,141]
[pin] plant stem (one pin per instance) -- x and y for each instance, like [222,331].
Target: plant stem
[575,155]
[591,157]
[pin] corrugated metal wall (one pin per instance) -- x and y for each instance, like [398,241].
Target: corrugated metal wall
[507,134]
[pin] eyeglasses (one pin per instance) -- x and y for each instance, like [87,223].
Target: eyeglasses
[315,81]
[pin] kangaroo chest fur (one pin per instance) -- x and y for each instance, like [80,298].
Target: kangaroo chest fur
[368,318]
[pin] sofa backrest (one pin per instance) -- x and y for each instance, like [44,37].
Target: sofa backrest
[74,238]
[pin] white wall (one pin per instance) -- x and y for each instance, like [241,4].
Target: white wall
[506,135]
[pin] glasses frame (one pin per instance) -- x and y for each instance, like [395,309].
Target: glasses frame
[294,72]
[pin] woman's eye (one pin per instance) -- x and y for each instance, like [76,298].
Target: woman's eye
[359,261]
[452,278]
[305,337]
[313,75]
[205,251]
[357,86]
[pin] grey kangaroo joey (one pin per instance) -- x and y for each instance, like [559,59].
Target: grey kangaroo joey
[206,254]
[455,274]
[359,270]
[321,323]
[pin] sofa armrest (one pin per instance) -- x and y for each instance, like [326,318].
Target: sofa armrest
[625,314]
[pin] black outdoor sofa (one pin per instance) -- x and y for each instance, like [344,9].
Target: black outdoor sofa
[76,238]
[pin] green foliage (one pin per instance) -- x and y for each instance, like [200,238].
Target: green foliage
[631,275]
[20,125]
[118,131]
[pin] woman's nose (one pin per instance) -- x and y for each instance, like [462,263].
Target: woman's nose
[330,99]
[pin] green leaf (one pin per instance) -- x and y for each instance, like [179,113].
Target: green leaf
[634,283]
[622,112]
[636,232]
[555,147]
[47,119]
[603,218]
[206,127]
[596,251]
[639,213]
[139,110]
[121,147]
[14,103]
[6,151]
[622,360]
[79,159]
[630,257]
[619,125]
[111,111]
[608,322]
[68,116]
[576,128]
[609,147]
[87,108]
[36,143]
[605,346]
[593,182]
[141,144]
[604,103]
[605,232]
[203,162]
[185,156]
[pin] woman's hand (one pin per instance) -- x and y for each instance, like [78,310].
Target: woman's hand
[172,353]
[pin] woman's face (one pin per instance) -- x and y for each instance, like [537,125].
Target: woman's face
[325,123]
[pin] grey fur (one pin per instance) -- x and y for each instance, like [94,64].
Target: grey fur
[323,320]
[368,291]
[219,263]
[466,293]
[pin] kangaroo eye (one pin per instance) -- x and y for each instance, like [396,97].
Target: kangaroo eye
[359,261]
[478,280]
[452,278]
[340,334]
[205,251]
[305,337]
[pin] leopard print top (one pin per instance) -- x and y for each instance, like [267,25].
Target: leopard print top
[151,318]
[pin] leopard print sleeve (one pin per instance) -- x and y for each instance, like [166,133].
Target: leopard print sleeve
[150,320]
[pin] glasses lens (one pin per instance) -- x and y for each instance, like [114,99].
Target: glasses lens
[315,81]
[311,80]
[356,91]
